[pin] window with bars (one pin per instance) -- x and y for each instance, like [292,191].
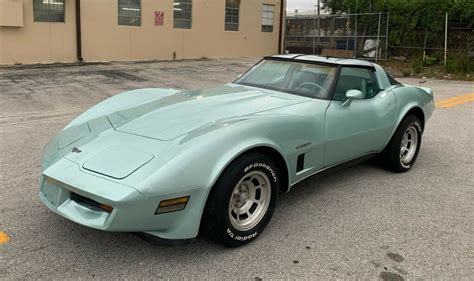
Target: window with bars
[232,15]
[129,12]
[182,14]
[267,17]
[48,10]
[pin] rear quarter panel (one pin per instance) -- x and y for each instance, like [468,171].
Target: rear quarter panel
[409,97]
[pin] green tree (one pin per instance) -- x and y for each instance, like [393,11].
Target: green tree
[408,15]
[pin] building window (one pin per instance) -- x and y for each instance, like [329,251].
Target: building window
[182,13]
[129,12]
[267,17]
[232,15]
[48,10]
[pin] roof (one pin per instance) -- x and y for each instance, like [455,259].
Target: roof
[324,60]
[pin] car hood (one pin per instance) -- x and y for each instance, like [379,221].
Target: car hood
[172,116]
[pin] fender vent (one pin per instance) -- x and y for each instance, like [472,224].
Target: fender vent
[300,163]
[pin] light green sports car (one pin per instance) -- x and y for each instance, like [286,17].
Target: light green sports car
[172,164]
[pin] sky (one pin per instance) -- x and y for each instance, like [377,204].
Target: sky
[301,5]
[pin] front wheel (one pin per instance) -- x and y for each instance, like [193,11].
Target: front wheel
[242,201]
[402,150]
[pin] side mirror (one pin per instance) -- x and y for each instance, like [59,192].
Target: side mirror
[352,95]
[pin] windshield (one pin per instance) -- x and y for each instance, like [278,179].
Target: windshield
[298,78]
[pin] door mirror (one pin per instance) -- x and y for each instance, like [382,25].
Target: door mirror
[352,95]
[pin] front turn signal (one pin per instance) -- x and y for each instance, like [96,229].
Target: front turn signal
[172,205]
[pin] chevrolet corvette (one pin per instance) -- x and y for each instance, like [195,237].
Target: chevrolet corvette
[173,164]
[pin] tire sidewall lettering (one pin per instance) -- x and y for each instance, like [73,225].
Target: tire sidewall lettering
[418,126]
[264,166]
[241,238]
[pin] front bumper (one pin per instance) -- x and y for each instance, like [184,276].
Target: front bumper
[132,212]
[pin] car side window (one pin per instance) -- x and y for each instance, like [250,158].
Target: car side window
[356,78]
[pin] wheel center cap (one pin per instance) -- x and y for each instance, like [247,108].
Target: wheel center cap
[243,197]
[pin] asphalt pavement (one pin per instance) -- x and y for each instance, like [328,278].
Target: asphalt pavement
[363,222]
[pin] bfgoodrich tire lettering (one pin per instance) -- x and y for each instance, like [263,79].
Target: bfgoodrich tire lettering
[242,201]
[402,150]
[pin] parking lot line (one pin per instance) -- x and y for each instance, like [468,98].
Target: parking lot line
[451,102]
[4,238]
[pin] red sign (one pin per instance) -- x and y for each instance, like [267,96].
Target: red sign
[159,18]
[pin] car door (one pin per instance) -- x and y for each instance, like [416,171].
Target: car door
[360,126]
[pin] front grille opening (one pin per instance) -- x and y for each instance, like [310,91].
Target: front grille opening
[89,203]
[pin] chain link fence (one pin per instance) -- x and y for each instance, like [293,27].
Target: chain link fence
[452,41]
[372,36]
[347,35]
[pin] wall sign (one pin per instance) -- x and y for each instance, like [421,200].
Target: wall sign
[159,18]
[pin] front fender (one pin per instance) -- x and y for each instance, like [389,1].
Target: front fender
[199,162]
[199,165]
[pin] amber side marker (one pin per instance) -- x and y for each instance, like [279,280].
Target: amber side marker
[452,102]
[4,238]
[172,205]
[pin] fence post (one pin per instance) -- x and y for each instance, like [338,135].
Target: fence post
[445,38]
[424,50]
[348,30]
[386,34]
[355,35]
[314,28]
[332,32]
[378,39]
[319,26]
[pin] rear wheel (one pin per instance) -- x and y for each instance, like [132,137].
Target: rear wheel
[242,201]
[402,150]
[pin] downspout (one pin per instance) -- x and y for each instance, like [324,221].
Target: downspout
[280,37]
[78,31]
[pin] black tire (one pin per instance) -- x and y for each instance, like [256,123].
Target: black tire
[391,156]
[216,222]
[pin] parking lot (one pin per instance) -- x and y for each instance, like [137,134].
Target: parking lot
[363,222]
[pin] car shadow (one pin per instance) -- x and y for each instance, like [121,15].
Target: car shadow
[315,185]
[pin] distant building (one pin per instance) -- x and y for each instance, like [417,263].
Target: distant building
[46,31]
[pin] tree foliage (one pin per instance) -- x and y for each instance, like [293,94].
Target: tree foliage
[409,15]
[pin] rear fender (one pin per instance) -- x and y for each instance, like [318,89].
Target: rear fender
[409,98]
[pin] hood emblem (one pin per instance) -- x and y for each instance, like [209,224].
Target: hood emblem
[76,150]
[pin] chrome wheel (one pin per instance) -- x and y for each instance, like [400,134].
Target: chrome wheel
[409,145]
[249,200]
